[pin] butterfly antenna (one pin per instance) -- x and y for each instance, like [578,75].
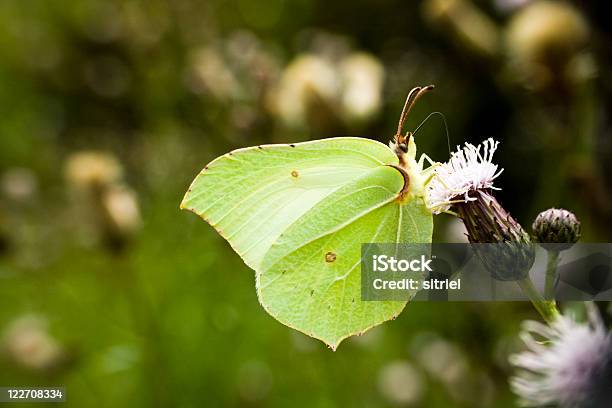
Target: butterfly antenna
[407,106]
[413,96]
[445,127]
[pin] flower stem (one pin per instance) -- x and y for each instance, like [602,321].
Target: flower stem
[547,309]
[551,274]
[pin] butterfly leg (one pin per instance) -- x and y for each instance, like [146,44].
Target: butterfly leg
[433,208]
[450,213]
[429,160]
[430,172]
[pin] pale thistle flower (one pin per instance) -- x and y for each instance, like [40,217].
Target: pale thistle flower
[469,169]
[568,365]
[465,183]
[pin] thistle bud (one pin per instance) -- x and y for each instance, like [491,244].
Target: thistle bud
[487,222]
[556,226]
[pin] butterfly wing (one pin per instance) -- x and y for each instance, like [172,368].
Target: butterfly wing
[298,214]
[250,196]
[310,278]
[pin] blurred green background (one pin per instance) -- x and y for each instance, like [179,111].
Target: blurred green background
[109,108]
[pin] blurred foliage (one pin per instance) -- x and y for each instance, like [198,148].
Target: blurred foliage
[109,108]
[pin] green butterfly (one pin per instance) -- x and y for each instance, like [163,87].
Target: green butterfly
[297,214]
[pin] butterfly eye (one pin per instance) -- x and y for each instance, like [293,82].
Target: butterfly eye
[403,147]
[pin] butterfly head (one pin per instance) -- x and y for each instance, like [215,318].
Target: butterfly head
[403,144]
[400,144]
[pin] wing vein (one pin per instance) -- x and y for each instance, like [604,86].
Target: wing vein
[347,222]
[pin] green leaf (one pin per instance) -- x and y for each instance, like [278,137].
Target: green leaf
[298,214]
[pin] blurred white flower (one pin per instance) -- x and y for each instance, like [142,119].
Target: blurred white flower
[28,343]
[92,168]
[363,78]
[546,41]
[210,73]
[304,80]
[400,383]
[568,364]
[19,184]
[109,208]
[470,168]
[447,363]
[465,23]
[443,360]
[121,209]
[349,87]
